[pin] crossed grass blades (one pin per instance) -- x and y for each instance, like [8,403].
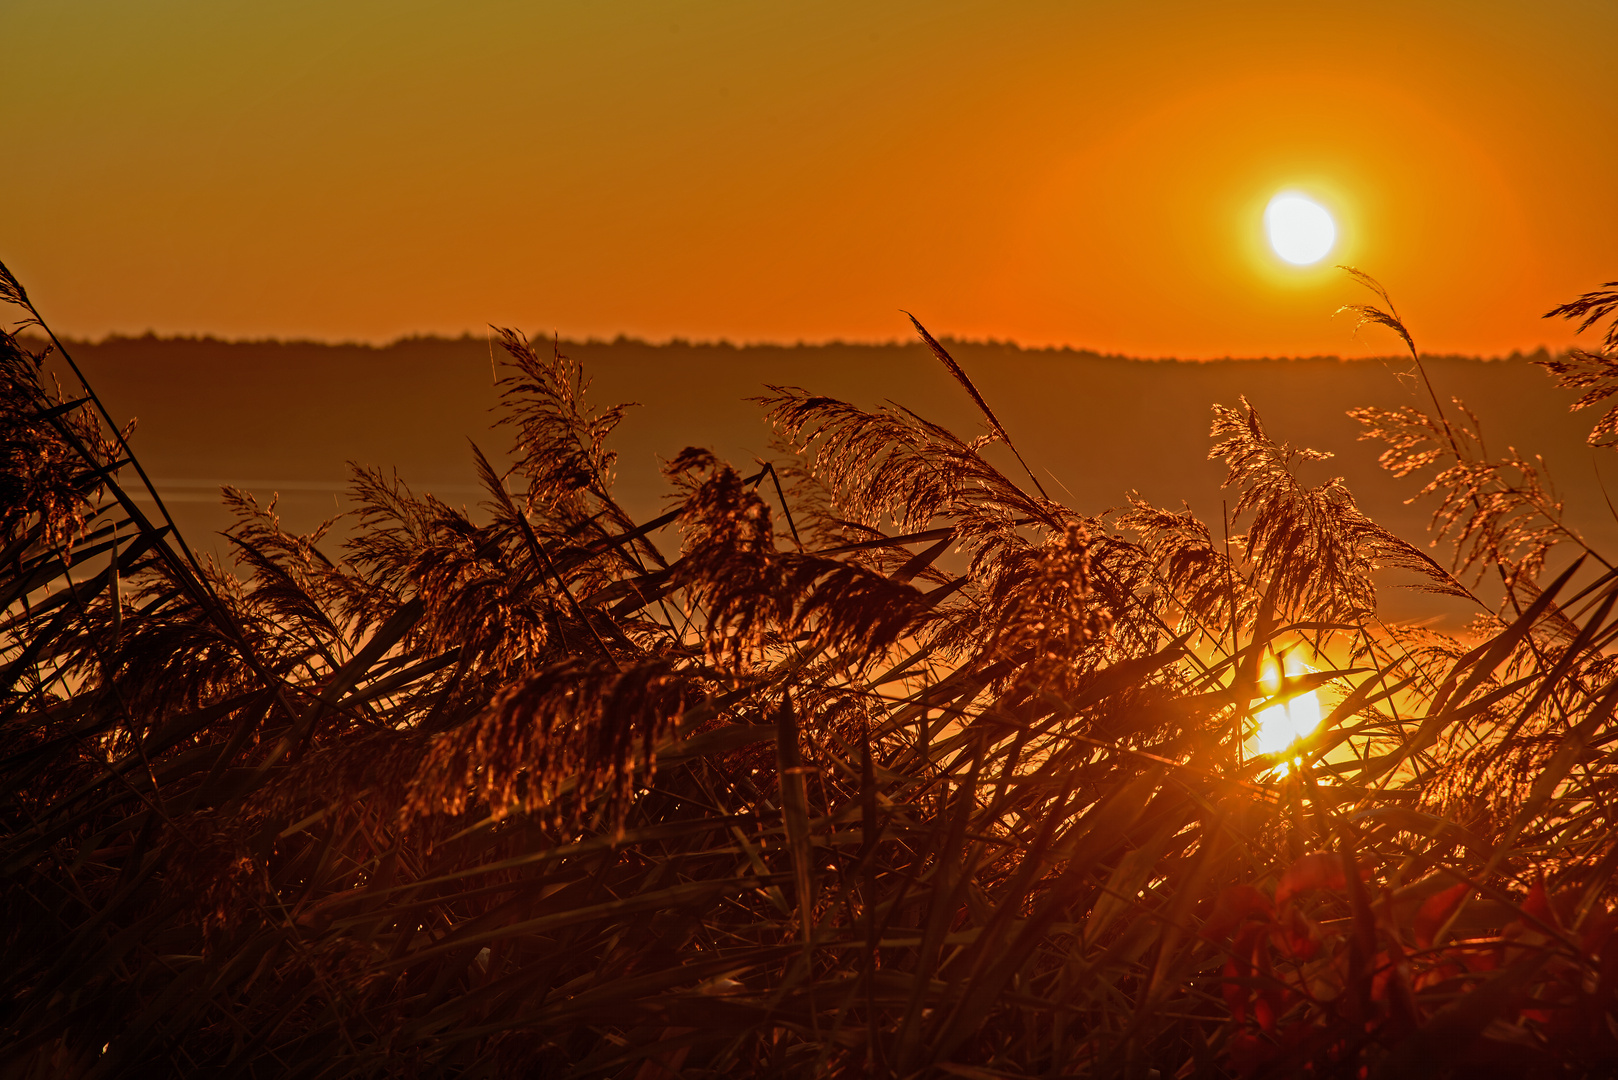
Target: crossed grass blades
[874,762]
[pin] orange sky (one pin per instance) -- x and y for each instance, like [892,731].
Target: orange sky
[1089,174]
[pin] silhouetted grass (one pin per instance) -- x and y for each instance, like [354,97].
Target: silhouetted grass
[870,762]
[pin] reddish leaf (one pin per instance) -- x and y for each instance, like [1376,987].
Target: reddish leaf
[1234,993]
[1235,904]
[1481,960]
[1596,931]
[1317,870]
[1391,984]
[1297,936]
[1264,1009]
[1538,905]
[1435,910]
[1247,954]
[1249,1053]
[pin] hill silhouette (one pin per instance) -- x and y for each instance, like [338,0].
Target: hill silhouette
[286,417]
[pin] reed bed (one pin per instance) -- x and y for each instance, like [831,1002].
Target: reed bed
[870,760]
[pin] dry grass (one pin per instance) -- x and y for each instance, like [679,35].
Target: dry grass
[889,767]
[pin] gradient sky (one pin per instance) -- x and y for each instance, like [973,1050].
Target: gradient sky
[1090,174]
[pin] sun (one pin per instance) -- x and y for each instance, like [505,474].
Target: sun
[1301,231]
[1281,726]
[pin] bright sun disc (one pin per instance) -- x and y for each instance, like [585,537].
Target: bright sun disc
[1301,231]
[1281,726]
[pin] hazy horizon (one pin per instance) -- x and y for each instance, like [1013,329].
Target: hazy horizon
[623,339]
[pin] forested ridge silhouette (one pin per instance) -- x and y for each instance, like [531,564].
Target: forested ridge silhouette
[288,417]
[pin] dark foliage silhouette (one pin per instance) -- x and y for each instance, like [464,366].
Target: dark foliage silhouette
[873,761]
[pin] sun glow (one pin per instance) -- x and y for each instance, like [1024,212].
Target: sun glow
[1280,726]
[1301,231]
